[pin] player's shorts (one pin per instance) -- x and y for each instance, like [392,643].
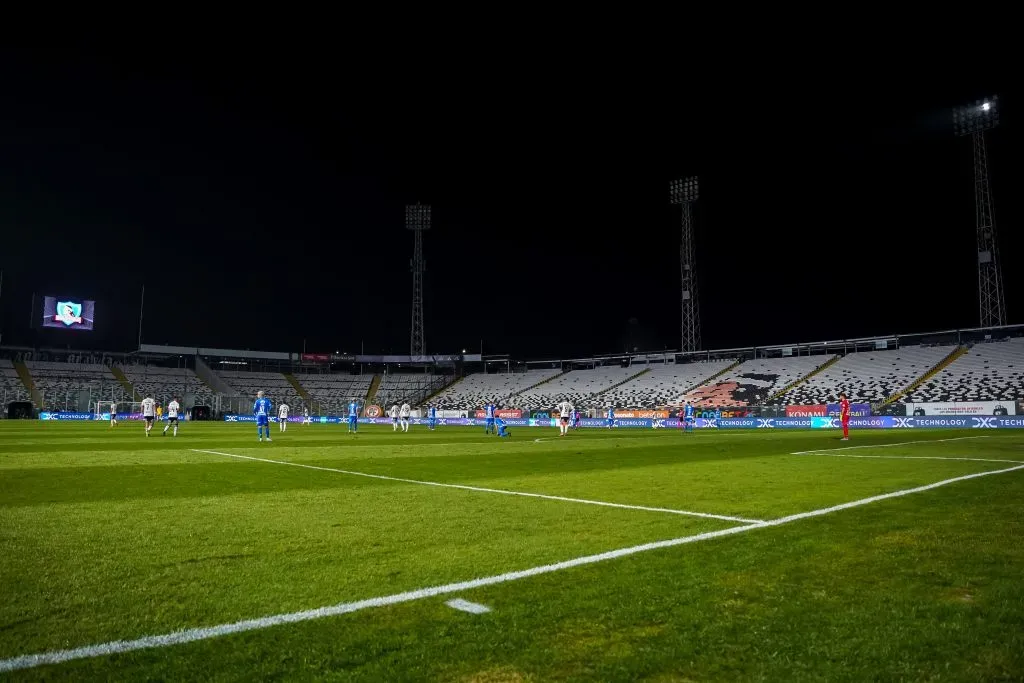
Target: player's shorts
[262,421]
[394,419]
[149,419]
[351,418]
[490,421]
[172,420]
[565,420]
[113,416]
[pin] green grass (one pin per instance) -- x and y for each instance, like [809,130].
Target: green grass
[107,535]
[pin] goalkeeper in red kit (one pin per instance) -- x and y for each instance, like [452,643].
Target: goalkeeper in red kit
[844,415]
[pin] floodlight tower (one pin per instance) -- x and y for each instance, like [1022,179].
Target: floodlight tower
[974,120]
[684,192]
[417,219]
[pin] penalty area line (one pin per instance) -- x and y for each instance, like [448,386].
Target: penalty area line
[887,445]
[205,633]
[481,489]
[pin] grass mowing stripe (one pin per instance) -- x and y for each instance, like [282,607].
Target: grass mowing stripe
[903,457]
[195,634]
[480,489]
[888,445]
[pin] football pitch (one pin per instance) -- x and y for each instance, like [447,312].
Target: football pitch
[451,555]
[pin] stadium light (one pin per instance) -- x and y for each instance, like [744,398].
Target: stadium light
[417,219]
[976,117]
[685,192]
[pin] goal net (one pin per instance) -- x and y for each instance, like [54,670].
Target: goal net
[124,409]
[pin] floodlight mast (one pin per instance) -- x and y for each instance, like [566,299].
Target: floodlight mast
[974,119]
[684,192]
[417,219]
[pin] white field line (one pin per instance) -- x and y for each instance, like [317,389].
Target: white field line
[709,432]
[480,489]
[907,457]
[887,445]
[205,633]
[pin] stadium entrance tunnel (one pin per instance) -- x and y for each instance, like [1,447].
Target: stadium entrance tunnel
[202,413]
[20,410]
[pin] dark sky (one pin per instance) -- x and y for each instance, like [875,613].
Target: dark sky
[261,201]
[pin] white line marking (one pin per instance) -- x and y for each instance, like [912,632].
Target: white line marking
[205,633]
[887,445]
[906,457]
[564,499]
[467,606]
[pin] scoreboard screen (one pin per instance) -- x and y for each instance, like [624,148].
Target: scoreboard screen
[66,313]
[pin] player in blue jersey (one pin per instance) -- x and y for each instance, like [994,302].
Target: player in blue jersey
[610,420]
[431,417]
[261,409]
[502,430]
[688,419]
[353,417]
[489,418]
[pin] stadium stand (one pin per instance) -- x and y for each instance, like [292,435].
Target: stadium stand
[664,385]
[868,376]
[990,371]
[333,392]
[754,381]
[273,384]
[71,386]
[11,387]
[476,391]
[578,387]
[163,384]
[407,388]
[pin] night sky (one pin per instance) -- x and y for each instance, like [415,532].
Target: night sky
[261,202]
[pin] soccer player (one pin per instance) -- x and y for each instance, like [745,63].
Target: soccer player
[431,417]
[577,419]
[305,416]
[844,415]
[282,416]
[172,416]
[610,420]
[404,414]
[564,409]
[148,412]
[113,414]
[353,417]
[688,419]
[394,417]
[261,409]
[159,412]
[502,430]
[489,418]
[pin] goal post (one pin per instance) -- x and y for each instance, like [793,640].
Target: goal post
[101,409]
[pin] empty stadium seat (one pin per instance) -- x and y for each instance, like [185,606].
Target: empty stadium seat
[478,390]
[991,371]
[71,386]
[163,384]
[333,393]
[867,376]
[579,387]
[407,388]
[11,387]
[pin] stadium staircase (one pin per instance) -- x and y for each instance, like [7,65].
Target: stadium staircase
[300,390]
[26,379]
[936,369]
[824,366]
[543,381]
[430,397]
[628,379]
[120,377]
[371,393]
[212,379]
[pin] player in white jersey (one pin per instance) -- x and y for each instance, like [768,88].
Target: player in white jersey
[404,414]
[172,416]
[282,416]
[564,411]
[394,417]
[113,414]
[305,416]
[148,412]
